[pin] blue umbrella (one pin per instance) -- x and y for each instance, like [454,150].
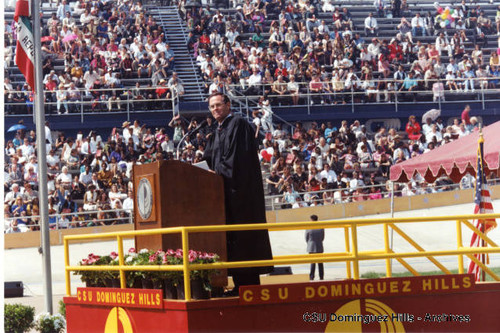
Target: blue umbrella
[16,127]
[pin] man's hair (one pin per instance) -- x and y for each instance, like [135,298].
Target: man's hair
[224,96]
[314,217]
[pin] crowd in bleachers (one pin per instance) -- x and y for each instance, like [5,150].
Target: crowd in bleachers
[116,41]
[287,49]
[323,164]
[99,52]
[89,178]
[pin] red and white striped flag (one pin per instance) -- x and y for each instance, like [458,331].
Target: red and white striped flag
[25,48]
[483,205]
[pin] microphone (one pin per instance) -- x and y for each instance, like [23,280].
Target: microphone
[192,131]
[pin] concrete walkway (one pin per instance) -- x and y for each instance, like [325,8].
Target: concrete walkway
[26,265]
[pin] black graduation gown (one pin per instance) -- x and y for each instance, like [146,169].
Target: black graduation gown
[232,153]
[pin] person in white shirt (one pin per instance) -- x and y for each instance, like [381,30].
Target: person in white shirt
[408,190]
[85,177]
[167,145]
[427,127]
[323,28]
[27,148]
[442,44]
[128,203]
[330,175]
[371,26]
[53,160]
[254,83]
[418,25]
[429,137]
[48,137]
[231,35]
[84,147]
[115,197]
[374,48]
[65,176]
[355,182]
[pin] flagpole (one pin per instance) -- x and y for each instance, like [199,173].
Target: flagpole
[483,179]
[42,156]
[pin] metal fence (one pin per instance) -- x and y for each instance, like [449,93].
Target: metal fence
[486,90]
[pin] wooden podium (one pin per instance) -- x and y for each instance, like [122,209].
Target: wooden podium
[172,194]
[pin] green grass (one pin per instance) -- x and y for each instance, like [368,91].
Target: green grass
[375,275]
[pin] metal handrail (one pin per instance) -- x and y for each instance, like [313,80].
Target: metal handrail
[352,256]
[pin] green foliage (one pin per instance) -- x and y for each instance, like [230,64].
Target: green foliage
[62,308]
[18,318]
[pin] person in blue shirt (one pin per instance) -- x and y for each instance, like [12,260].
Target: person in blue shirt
[297,42]
[409,84]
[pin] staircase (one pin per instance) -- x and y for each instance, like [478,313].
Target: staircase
[176,35]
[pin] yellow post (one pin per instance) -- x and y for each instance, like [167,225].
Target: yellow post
[459,246]
[347,249]
[185,263]
[67,272]
[355,261]
[388,266]
[121,261]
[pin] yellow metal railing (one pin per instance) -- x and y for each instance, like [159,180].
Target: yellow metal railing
[352,256]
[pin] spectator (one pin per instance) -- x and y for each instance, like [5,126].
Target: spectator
[371,26]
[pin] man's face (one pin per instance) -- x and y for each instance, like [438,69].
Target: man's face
[218,108]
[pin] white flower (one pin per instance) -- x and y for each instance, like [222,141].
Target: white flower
[129,259]
[144,251]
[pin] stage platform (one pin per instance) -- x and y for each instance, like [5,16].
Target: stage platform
[441,303]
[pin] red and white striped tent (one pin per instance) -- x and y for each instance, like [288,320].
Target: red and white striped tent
[454,159]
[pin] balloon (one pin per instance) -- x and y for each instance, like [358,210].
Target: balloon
[452,11]
[440,10]
[447,22]
[443,16]
[442,24]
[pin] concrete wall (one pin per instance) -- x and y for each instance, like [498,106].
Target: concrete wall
[33,238]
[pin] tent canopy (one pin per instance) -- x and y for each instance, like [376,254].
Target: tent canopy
[454,159]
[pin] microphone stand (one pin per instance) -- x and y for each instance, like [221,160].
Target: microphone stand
[203,123]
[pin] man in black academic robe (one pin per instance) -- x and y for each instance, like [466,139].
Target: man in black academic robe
[232,153]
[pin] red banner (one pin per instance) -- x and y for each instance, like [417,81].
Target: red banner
[132,298]
[333,290]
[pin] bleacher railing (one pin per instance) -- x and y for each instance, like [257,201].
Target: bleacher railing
[276,202]
[88,104]
[59,222]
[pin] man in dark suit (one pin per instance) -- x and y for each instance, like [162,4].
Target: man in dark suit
[232,153]
[314,239]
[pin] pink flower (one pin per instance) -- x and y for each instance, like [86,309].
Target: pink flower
[152,258]
[113,255]
[131,250]
[170,252]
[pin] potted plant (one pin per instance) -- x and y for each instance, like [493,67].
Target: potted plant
[99,278]
[47,323]
[91,278]
[200,279]
[138,278]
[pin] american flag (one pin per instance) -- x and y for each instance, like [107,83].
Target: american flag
[483,205]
